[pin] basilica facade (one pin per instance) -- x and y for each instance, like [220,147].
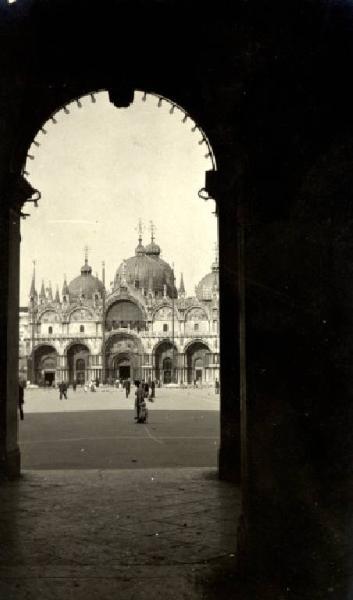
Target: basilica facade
[143,327]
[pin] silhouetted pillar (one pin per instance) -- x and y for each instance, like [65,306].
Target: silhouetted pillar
[9,326]
[297,511]
[221,188]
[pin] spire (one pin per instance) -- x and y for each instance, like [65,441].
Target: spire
[65,291]
[42,295]
[57,296]
[49,292]
[181,287]
[33,293]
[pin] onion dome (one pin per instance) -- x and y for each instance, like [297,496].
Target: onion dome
[153,249]
[85,285]
[209,284]
[140,249]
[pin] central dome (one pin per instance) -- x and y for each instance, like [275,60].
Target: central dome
[85,285]
[148,271]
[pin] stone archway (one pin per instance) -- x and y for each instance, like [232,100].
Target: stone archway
[78,363]
[123,357]
[166,363]
[45,359]
[197,361]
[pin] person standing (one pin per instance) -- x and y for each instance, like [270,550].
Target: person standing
[127,387]
[21,401]
[74,385]
[63,390]
[217,386]
[153,391]
[139,398]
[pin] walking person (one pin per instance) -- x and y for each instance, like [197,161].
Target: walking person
[21,401]
[217,386]
[153,391]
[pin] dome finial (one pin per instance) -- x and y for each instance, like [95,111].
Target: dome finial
[86,269]
[152,230]
[139,228]
[140,250]
[215,265]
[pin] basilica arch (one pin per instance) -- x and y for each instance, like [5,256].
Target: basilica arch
[45,364]
[124,357]
[78,358]
[197,355]
[166,362]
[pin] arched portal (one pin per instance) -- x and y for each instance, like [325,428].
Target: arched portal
[78,363]
[123,357]
[123,365]
[197,360]
[166,363]
[45,364]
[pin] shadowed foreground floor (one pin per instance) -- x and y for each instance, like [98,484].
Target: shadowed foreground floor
[124,534]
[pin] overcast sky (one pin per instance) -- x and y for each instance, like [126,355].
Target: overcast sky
[99,170]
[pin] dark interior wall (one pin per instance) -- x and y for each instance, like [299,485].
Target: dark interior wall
[267,81]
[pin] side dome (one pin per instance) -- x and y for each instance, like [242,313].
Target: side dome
[209,284]
[86,284]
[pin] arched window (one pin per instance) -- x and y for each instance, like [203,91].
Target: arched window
[165,327]
[82,328]
[50,330]
[196,326]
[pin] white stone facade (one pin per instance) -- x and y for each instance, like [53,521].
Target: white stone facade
[142,329]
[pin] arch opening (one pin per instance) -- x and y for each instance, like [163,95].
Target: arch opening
[130,217]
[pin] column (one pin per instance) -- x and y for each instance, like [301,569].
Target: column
[223,188]
[9,329]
